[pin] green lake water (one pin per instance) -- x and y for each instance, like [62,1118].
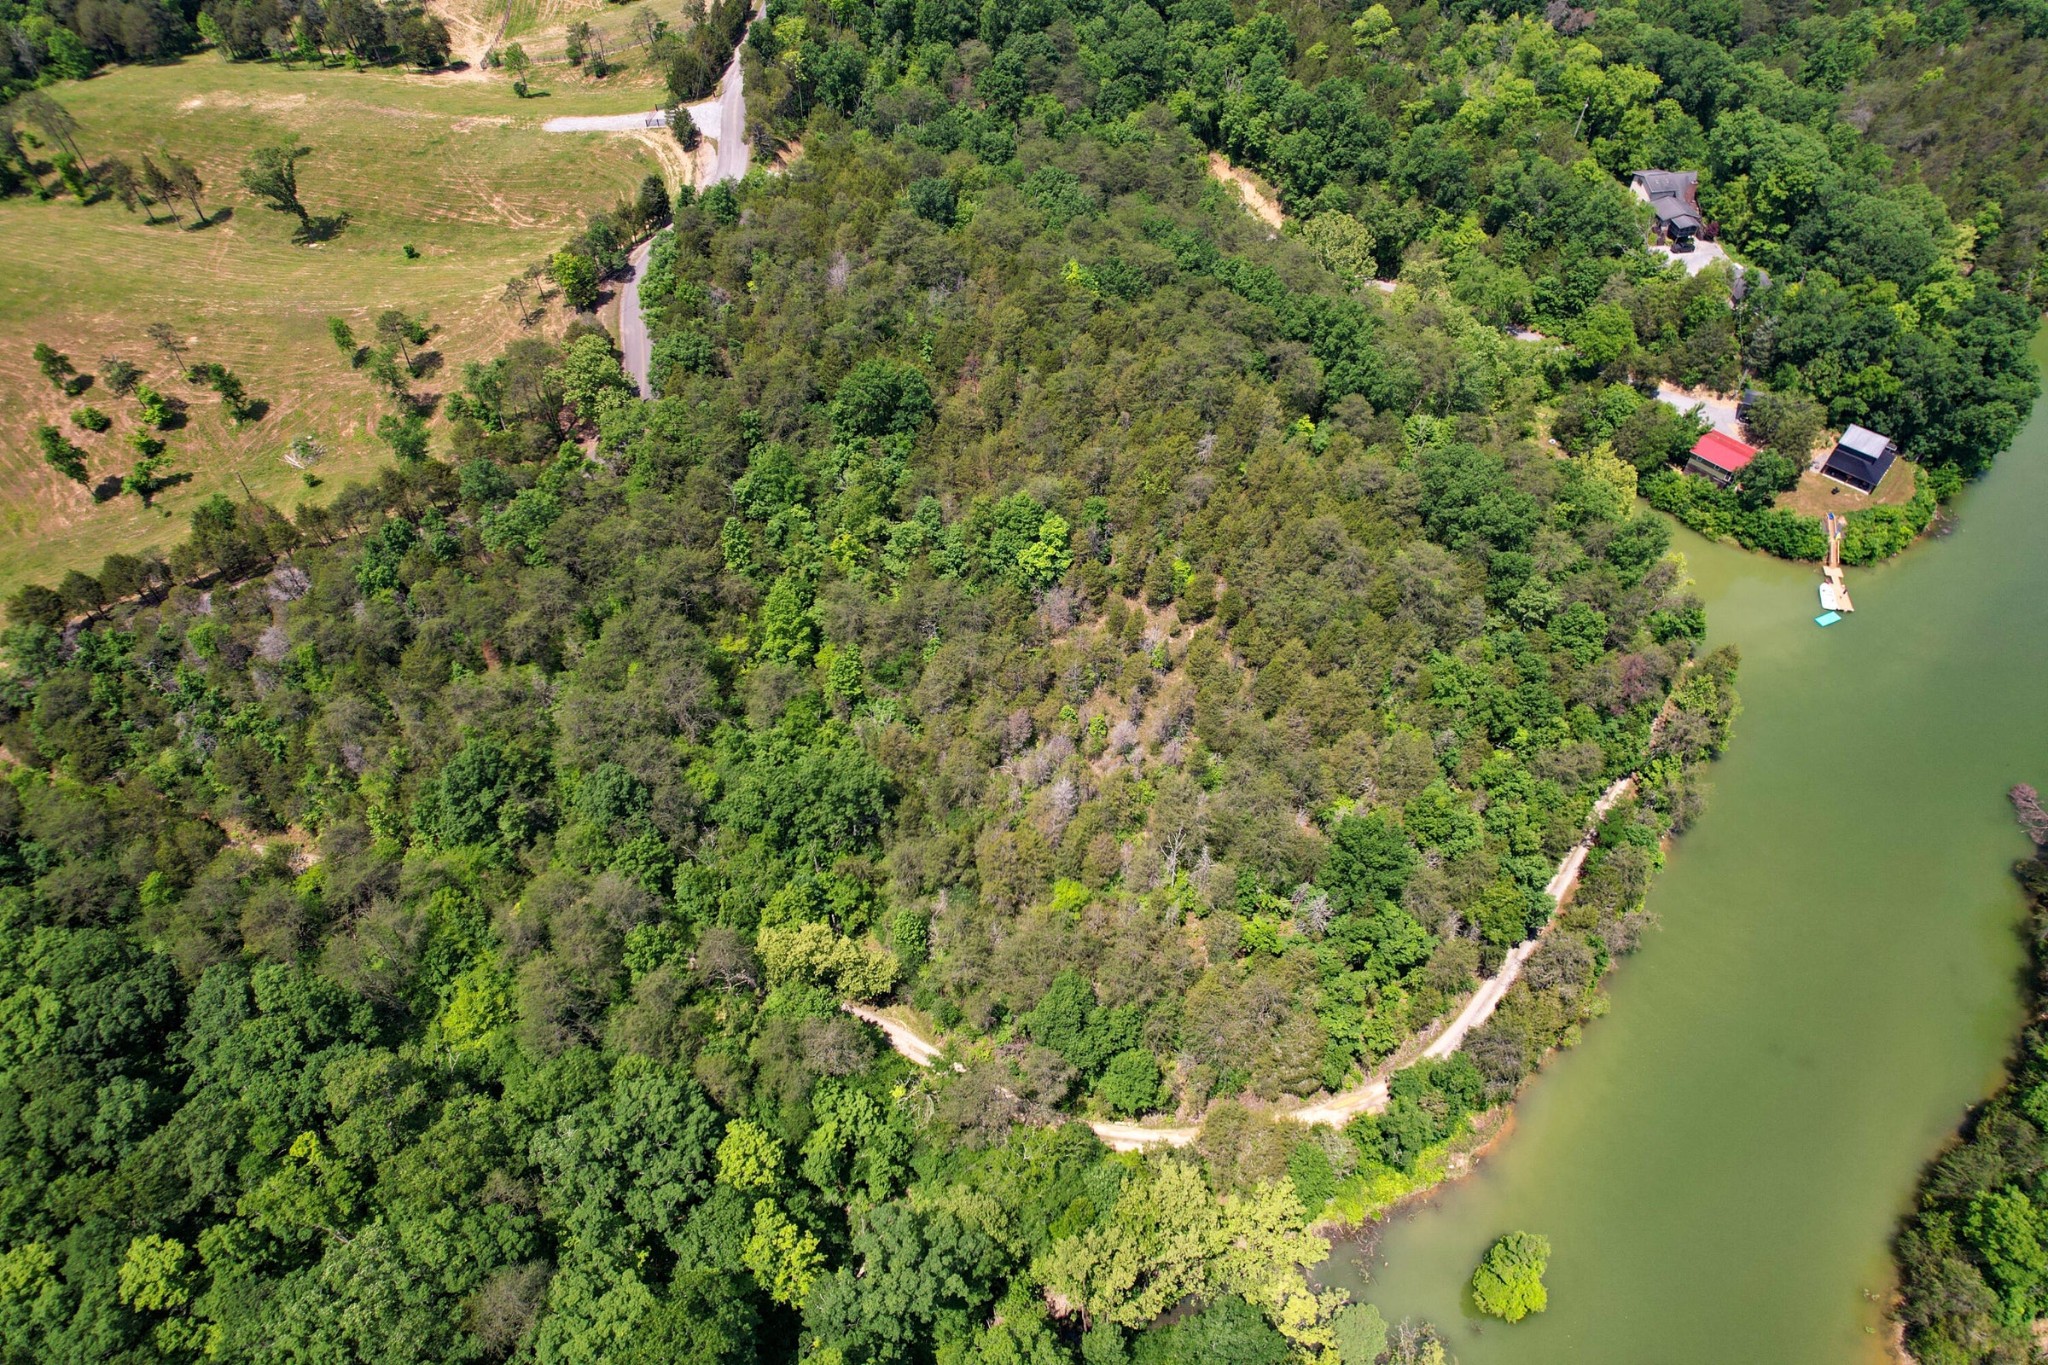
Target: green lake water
[1721,1163]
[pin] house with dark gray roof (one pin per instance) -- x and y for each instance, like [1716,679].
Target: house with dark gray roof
[1674,197]
[1861,458]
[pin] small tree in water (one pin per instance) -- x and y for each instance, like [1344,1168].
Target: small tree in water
[1509,1282]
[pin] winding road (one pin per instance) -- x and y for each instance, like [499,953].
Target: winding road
[722,120]
[1341,1108]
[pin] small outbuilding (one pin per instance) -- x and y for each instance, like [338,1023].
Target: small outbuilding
[1720,457]
[1674,197]
[1861,458]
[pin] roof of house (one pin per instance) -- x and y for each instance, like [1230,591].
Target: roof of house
[1673,195]
[1865,442]
[1724,452]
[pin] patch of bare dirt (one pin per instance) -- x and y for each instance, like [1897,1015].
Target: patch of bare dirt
[1257,195]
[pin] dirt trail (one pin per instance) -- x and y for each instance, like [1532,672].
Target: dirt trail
[1256,196]
[469,38]
[1369,1098]
[606,123]
[902,1036]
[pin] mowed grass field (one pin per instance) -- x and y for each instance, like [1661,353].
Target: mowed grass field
[452,164]
[540,26]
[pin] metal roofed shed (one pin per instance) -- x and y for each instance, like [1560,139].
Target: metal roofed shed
[1861,458]
[1674,197]
[1720,457]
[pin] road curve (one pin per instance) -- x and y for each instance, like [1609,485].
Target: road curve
[636,349]
[1341,1108]
[722,120]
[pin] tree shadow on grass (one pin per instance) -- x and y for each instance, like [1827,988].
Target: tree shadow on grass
[219,215]
[113,486]
[162,482]
[320,227]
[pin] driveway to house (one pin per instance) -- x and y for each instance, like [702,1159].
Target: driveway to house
[1702,255]
[1719,412]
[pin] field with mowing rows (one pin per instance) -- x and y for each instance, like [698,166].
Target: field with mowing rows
[452,165]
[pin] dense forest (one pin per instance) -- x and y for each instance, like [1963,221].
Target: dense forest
[1973,1256]
[1039,599]
[58,40]
[71,39]
[1034,597]
[976,620]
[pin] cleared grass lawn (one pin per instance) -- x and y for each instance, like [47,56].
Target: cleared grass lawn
[452,165]
[1816,495]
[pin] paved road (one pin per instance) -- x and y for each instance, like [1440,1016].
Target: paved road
[636,349]
[722,120]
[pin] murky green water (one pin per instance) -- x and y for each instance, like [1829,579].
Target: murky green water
[1721,1164]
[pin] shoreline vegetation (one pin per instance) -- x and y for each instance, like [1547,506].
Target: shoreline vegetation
[1973,1255]
[1874,533]
[1373,1194]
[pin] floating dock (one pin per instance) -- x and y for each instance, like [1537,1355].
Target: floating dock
[1834,592]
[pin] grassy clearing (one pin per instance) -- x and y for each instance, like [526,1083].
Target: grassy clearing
[1817,495]
[541,27]
[452,165]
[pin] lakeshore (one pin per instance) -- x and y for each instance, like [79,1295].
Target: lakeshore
[1722,1163]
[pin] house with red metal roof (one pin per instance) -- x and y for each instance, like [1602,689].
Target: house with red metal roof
[1720,457]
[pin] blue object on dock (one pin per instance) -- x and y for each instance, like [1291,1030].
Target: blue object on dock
[1827,618]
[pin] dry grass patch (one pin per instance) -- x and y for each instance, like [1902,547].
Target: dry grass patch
[476,26]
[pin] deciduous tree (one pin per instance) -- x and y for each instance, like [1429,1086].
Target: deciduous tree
[1509,1281]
